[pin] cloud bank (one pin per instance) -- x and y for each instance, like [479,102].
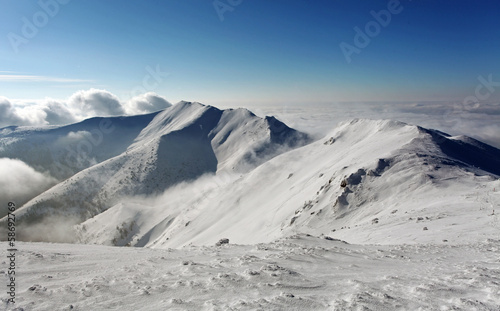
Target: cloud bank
[96,102]
[146,103]
[20,182]
[480,121]
[81,105]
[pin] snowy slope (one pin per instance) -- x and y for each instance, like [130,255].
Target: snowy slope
[297,273]
[421,206]
[367,181]
[181,143]
[65,150]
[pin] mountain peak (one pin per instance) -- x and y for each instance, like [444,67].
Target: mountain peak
[360,173]
[180,144]
[185,103]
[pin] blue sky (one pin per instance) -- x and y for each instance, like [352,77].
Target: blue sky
[283,51]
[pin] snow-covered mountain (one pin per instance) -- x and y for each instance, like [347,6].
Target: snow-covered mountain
[180,144]
[66,150]
[295,214]
[196,174]
[365,182]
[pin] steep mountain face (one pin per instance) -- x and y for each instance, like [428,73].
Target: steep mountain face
[366,182]
[180,144]
[466,150]
[66,150]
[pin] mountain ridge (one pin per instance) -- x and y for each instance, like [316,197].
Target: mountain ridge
[181,143]
[387,191]
[65,150]
[196,174]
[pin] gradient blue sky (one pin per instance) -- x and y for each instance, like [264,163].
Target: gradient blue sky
[262,52]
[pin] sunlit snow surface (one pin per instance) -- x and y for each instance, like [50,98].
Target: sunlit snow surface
[297,273]
[419,207]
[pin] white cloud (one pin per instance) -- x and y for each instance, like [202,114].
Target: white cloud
[35,78]
[481,122]
[57,113]
[81,105]
[20,182]
[95,102]
[74,137]
[146,103]
[43,113]
[13,115]
[8,113]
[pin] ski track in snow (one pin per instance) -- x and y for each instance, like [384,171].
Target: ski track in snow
[297,273]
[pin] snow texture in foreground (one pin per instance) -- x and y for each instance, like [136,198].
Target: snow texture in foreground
[297,273]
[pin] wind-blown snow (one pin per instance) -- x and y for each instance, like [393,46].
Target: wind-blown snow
[298,273]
